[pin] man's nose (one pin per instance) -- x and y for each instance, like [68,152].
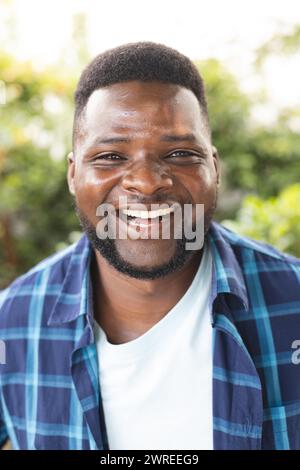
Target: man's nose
[147,178]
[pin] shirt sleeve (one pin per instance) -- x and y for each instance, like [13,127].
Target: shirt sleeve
[3,433]
[3,430]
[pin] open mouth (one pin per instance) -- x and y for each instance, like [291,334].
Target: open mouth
[145,217]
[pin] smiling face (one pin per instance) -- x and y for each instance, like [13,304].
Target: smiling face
[147,141]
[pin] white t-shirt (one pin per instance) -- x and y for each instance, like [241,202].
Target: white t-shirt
[157,388]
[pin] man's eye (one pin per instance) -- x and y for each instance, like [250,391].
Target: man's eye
[109,157]
[181,153]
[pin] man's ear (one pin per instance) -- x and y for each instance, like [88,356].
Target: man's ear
[217,164]
[71,173]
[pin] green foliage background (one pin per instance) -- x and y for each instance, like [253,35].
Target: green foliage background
[260,194]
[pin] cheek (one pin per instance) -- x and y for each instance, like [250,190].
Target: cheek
[201,185]
[91,189]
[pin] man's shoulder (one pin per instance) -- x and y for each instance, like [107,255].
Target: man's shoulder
[266,279]
[241,244]
[50,270]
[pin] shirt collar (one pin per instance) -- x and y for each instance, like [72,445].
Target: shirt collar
[73,299]
[228,284]
[227,278]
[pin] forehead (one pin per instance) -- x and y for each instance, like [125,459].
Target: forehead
[140,107]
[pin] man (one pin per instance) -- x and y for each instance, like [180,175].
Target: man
[125,342]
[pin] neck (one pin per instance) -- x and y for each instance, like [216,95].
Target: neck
[126,307]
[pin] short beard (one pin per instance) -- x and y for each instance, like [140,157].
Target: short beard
[107,248]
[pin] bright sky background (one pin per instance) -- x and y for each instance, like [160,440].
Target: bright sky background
[226,29]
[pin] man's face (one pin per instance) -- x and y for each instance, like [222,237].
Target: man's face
[147,141]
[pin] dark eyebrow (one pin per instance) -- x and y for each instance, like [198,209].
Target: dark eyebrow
[178,138]
[112,140]
[164,138]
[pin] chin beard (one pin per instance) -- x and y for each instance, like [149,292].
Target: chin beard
[108,249]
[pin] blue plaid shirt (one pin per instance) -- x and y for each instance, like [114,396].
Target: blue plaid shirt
[49,387]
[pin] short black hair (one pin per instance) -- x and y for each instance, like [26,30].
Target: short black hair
[144,61]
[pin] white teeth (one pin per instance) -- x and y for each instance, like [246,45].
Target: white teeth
[148,214]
